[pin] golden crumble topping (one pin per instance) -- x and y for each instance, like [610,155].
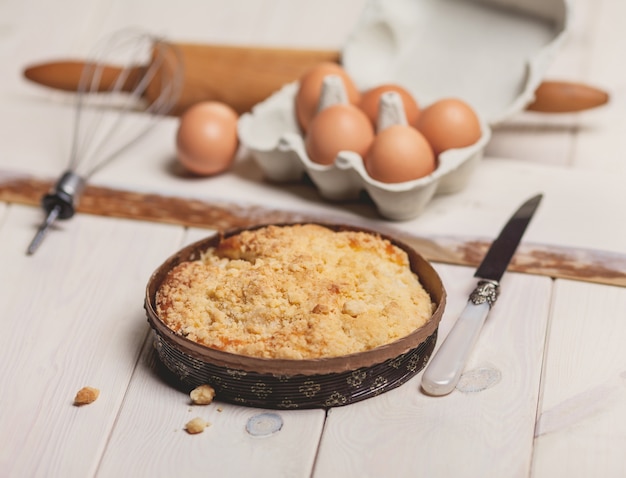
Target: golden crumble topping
[295,292]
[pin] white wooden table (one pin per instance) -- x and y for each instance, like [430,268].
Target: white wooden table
[544,393]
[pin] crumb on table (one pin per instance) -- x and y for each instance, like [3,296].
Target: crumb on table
[202,395]
[86,395]
[196,425]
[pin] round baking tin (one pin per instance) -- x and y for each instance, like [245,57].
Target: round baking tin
[292,384]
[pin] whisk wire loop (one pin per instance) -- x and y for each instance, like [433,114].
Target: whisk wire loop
[111,127]
[107,118]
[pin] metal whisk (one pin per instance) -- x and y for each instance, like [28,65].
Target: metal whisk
[104,125]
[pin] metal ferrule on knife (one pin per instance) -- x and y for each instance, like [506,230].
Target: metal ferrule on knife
[486,291]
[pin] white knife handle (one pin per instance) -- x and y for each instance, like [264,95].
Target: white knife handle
[445,367]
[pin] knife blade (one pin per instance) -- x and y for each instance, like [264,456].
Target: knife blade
[444,369]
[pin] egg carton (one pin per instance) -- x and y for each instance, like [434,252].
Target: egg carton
[492,54]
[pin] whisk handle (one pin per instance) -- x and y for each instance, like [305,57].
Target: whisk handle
[65,75]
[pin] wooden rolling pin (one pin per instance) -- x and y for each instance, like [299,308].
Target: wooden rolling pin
[244,76]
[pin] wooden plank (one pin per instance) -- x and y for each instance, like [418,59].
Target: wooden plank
[553,261]
[3,212]
[535,138]
[582,422]
[72,316]
[600,144]
[580,430]
[482,429]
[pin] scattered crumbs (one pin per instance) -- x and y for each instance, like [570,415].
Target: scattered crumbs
[220,409]
[202,395]
[85,396]
[196,425]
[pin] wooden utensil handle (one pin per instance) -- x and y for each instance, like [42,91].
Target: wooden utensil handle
[65,75]
[566,97]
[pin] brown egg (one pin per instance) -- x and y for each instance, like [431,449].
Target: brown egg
[340,127]
[399,153]
[370,101]
[310,87]
[206,140]
[449,123]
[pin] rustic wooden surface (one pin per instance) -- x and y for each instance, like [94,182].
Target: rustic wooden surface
[543,392]
[553,261]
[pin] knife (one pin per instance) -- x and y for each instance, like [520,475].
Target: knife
[444,369]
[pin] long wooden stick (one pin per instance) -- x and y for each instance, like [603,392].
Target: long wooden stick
[558,262]
[243,76]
